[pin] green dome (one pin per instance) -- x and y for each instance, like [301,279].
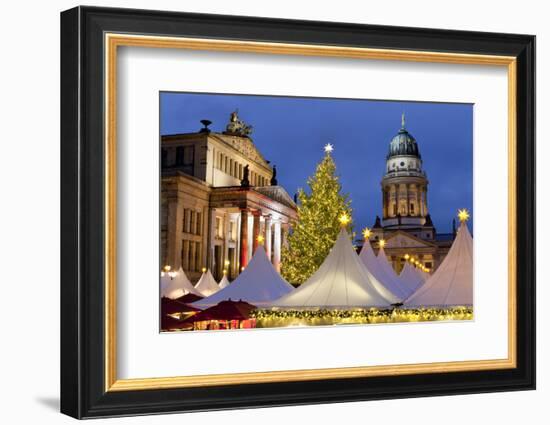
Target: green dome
[403,143]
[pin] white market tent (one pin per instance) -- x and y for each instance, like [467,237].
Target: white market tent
[452,283]
[207,285]
[342,281]
[383,271]
[412,278]
[224,282]
[177,286]
[258,284]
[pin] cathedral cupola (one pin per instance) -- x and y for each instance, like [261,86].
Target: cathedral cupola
[403,143]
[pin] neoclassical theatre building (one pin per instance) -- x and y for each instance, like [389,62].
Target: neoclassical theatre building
[218,194]
[406,225]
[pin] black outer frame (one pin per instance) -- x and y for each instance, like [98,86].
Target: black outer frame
[82,212]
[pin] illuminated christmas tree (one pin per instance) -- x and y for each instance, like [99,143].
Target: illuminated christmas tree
[318,224]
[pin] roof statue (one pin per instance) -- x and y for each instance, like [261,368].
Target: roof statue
[273,181]
[245,182]
[342,281]
[258,284]
[236,126]
[452,282]
[207,285]
[176,286]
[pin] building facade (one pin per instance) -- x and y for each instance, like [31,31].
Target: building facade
[218,195]
[406,226]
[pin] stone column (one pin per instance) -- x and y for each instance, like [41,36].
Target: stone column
[244,239]
[426,200]
[407,205]
[210,260]
[277,245]
[174,233]
[255,230]
[268,236]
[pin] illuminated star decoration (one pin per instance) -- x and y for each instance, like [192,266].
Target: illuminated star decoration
[366,233]
[463,215]
[382,243]
[329,148]
[260,239]
[344,219]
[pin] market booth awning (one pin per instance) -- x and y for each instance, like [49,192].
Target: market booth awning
[225,310]
[258,284]
[452,283]
[342,281]
[169,306]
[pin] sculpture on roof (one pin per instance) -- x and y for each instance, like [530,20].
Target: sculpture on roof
[236,126]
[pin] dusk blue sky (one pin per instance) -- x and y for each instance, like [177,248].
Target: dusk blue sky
[291,132]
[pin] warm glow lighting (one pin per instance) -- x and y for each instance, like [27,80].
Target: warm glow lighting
[329,148]
[224,271]
[366,233]
[242,268]
[226,262]
[463,215]
[167,268]
[407,256]
[260,239]
[344,219]
[382,243]
[204,269]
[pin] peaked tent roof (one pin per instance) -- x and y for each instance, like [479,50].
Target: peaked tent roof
[412,278]
[207,285]
[176,287]
[383,272]
[452,282]
[342,281]
[258,284]
[224,282]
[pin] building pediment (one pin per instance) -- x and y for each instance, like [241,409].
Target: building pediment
[402,239]
[245,146]
[277,193]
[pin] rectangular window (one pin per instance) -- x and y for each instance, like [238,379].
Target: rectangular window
[192,216]
[179,155]
[412,208]
[428,264]
[164,158]
[232,233]
[199,224]
[241,171]
[231,167]
[219,227]
[226,166]
[189,155]
[198,264]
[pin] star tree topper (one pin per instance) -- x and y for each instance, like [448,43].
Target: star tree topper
[329,148]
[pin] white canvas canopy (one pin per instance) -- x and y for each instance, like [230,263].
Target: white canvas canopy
[342,281]
[258,284]
[383,271]
[452,282]
[224,282]
[207,285]
[176,287]
[412,278]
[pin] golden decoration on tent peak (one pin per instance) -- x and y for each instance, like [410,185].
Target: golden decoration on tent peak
[463,215]
[366,233]
[329,148]
[260,239]
[382,243]
[344,219]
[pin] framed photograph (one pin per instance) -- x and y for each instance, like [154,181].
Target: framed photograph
[261,212]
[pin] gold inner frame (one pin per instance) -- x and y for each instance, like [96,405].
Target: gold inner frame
[113,41]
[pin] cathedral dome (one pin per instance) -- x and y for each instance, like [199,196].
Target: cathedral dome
[403,143]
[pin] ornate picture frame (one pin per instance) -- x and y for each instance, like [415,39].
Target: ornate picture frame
[90,41]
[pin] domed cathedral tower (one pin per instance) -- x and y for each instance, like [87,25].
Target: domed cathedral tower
[406,226]
[405,186]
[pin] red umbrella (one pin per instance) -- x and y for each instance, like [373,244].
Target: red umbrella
[188,298]
[168,323]
[169,306]
[225,310]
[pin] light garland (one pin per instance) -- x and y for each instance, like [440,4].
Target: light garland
[285,318]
